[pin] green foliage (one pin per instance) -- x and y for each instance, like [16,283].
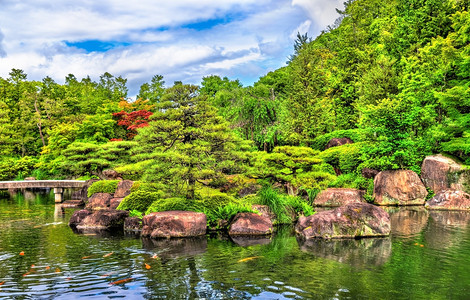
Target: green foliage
[299,166]
[226,212]
[140,200]
[135,213]
[167,204]
[103,186]
[216,205]
[320,142]
[185,142]
[299,206]
[283,206]
[270,197]
[345,158]
[354,181]
[16,169]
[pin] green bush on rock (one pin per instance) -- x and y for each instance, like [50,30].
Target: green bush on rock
[103,186]
[139,200]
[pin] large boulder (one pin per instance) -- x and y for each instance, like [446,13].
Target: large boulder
[114,202]
[335,197]
[264,211]
[123,189]
[334,142]
[82,193]
[169,224]
[250,224]
[78,217]
[369,173]
[449,200]
[99,201]
[349,221]
[441,173]
[133,224]
[104,219]
[399,187]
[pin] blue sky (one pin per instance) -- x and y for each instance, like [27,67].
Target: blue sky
[182,40]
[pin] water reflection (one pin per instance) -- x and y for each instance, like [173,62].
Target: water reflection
[445,228]
[407,221]
[174,248]
[245,241]
[358,253]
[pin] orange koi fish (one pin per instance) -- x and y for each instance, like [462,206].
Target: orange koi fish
[2,283]
[109,254]
[48,267]
[147,266]
[249,258]
[122,281]
[22,253]
[155,256]
[86,257]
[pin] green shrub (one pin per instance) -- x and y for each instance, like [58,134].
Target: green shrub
[345,158]
[139,200]
[276,202]
[18,169]
[103,186]
[226,212]
[320,142]
[300,206]
[353,181]
[214,204]
[135,213]
[167,204]
[283,206]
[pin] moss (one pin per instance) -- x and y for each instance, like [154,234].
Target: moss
[103,186]
[140,200]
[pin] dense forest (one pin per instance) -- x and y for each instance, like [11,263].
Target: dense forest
[393,76]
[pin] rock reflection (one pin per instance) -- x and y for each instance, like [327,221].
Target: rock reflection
[358,253]
[101,233]
[445,228]
[245,241]
[407,221]
[178,247]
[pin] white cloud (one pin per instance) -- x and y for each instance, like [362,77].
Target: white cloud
[255,37]
[321,12]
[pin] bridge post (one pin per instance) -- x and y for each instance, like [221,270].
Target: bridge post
[58,195]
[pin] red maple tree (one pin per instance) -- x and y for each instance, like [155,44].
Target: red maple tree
[133,120]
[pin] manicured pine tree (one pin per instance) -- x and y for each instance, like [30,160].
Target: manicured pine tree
[185,143]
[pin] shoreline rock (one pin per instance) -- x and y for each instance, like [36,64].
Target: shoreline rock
[349,221]
[441,173]
[449,200]
[335,197]
[170,224]
[250,224]
[399,187]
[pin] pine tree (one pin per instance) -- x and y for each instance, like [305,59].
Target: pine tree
[185,143]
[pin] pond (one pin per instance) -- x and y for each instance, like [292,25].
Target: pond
[42,258]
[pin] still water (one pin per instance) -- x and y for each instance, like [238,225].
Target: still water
[427,257]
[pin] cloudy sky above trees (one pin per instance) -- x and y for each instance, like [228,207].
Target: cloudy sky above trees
[180,39]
